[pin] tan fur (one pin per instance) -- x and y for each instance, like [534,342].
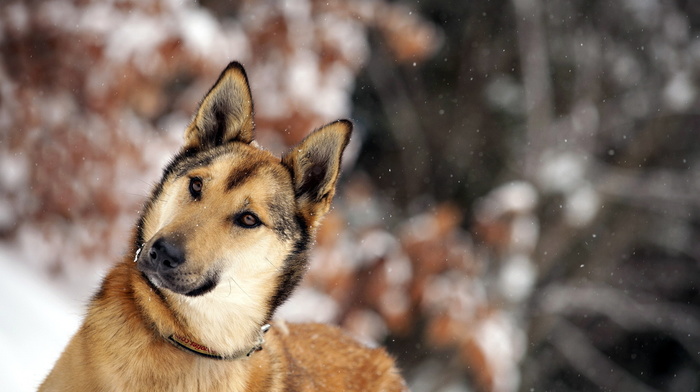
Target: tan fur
[222,279]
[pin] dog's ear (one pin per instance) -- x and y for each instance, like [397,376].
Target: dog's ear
[315,167]
[226,113]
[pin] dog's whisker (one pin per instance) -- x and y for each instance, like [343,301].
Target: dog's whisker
[239,286]
[134,194]
[273,266]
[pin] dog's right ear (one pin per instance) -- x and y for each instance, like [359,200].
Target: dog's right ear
[226,113]
[315,166]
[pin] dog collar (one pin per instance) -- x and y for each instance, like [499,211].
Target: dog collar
[189,345]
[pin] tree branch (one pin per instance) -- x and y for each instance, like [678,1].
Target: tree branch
[575,346]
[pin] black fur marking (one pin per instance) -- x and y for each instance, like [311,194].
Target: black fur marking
[216,138]
[206,287]
[241,174]
[283,225]
[294,266]
[191,164]
[313,182]
[138,236]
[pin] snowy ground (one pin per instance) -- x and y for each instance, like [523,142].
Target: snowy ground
[38,318]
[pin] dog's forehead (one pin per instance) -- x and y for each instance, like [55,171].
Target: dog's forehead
[237,163]
[247,163]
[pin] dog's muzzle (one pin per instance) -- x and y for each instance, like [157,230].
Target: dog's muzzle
[162,262]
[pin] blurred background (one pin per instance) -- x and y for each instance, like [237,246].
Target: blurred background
[519,206]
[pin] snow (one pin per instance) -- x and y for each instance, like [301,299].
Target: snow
[13,171]
[582,205]
[561,172]
[518,197]
[18,17]
[504,92]
[347,36]
[59,13]
[517,278]
[303,76]
[501,341]
[679,94]
[626,69]
[646,12]
[38,320]
[296,10]
[525,232]
[138,35]
[308,305]
[200,30]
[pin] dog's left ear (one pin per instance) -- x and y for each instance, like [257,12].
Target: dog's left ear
[226,113]
[315,167]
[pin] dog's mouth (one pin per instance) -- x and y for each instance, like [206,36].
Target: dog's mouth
[179,285]
[204,288]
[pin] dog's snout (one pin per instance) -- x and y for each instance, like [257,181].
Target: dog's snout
[164,254]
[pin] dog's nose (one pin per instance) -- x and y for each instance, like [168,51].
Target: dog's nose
[165,254]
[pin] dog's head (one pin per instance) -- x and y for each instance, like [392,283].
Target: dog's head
[231,219]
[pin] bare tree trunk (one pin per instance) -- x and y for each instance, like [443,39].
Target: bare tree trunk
[539,106]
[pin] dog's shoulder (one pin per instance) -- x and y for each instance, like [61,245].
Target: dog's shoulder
[324,357]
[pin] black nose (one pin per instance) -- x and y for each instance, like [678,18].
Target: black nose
[164,254]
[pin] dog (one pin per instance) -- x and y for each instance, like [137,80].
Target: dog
[222,242]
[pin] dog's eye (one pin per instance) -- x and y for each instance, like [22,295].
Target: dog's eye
[196,186]
[248,220]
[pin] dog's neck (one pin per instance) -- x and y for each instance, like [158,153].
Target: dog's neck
[193,347]
[216,324]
